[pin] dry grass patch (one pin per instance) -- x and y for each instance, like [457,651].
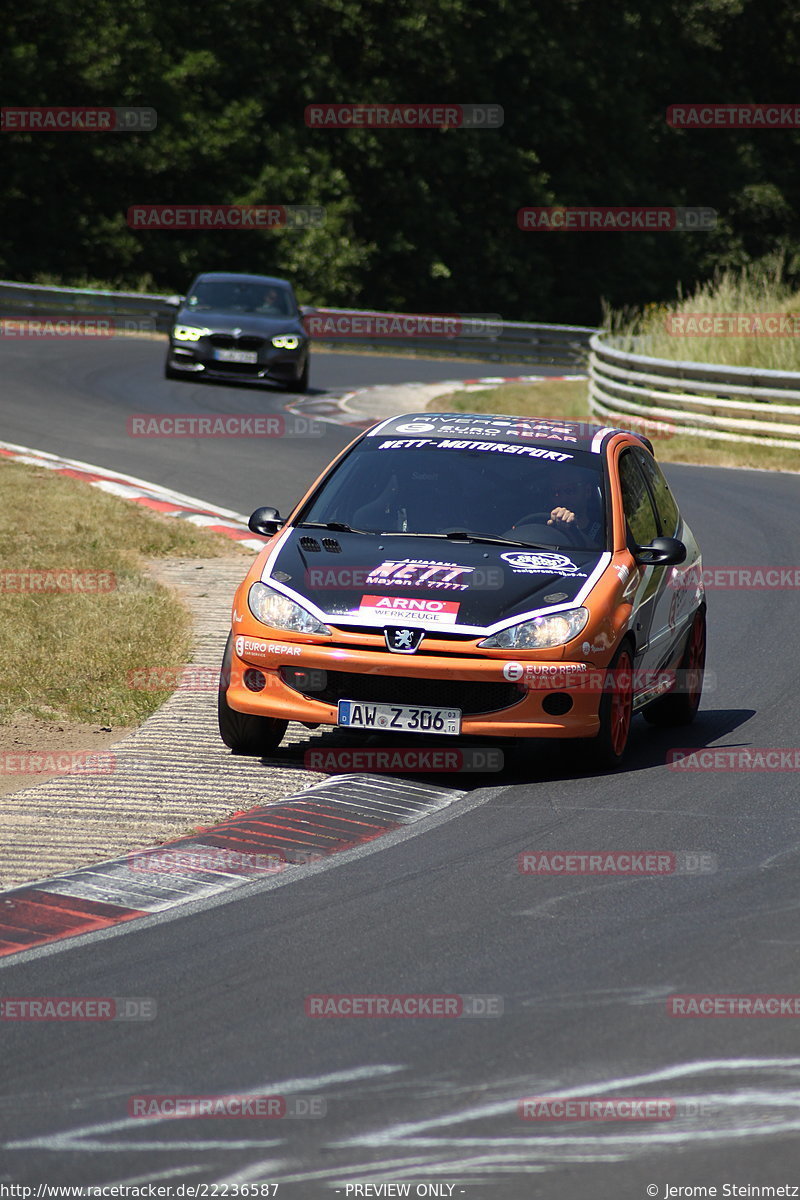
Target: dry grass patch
[67,655]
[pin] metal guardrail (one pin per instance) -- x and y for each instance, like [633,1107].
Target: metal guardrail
[732,404]
[487,338]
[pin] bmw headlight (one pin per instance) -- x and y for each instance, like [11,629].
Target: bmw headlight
[273,608]
[540,633]
[286,341]
[189,333]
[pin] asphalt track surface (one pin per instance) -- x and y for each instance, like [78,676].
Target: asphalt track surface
[584,964]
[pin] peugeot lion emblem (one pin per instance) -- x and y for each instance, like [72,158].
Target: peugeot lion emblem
[402,641]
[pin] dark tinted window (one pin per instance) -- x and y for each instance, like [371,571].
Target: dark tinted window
[636,501]
[392,486]
[666,507]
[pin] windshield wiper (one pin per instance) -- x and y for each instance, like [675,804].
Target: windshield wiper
[462,535]
[334,526]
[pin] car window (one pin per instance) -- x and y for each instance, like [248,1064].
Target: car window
[666,508]
[636,501]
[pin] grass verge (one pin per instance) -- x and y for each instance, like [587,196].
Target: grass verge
[67,654]
[569,401]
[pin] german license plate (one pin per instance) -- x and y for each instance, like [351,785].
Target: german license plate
[240,356]
[399,718]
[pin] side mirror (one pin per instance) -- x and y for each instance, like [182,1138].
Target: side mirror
[265,521]
[174,301]
[662,552]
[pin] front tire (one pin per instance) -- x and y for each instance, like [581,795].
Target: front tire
[301,384]
[680,706]
[170,372]
[616,712]
[244,733]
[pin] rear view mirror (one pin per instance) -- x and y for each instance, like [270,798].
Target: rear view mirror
[265,521]
[662,552]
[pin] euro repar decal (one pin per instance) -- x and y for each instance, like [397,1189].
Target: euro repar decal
[536,563]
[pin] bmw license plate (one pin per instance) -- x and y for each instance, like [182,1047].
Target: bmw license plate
[399,718]
[240,356]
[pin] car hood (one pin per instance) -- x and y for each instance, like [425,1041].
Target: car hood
[365,579]
[249,323]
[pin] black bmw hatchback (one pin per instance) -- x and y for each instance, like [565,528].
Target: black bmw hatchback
[246,327]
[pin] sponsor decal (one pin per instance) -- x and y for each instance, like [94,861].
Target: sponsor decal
[252,646]
[444,611]
[256,648]
[415,427]
[545,676]
[466,444]
[421,572]
[526,563]
[513,671]
[622,571]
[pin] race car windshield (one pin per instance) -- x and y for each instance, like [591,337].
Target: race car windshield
[262,298]
[436,490]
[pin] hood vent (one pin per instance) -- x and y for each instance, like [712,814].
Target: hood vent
[309,543]
[331,545]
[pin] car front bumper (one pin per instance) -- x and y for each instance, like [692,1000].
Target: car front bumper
[449,678]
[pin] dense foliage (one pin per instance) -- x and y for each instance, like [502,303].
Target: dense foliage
[417,220]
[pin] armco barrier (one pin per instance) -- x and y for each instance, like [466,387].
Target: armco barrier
[507,341]
[732,404]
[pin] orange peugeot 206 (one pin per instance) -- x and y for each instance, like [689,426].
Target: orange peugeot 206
[460,574]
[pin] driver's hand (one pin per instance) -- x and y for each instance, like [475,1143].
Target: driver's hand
[561,516]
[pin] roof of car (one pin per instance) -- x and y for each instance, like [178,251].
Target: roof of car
[234,277]
[492,427]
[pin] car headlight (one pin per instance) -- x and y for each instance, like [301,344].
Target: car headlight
[273,608]
[540,633]
[286,341]
[189,333]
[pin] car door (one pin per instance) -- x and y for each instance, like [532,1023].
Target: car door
[642,527]
[675,602]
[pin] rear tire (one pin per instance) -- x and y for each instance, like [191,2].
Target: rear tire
[616,713]
[680,707]
[244,733]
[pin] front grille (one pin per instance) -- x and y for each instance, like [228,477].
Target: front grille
[470,697]
[224,341]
